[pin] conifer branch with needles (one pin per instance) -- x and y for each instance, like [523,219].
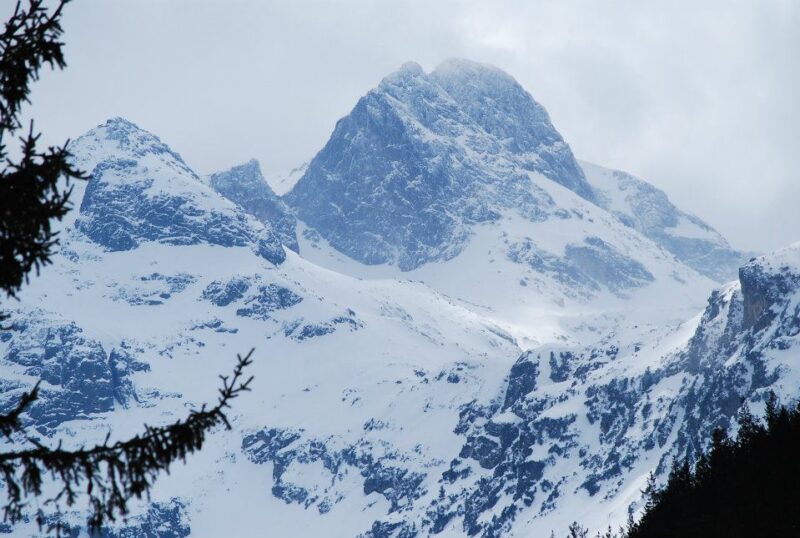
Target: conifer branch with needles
[31,191]
[110,474]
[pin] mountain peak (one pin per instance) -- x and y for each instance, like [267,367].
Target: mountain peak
[424,157]
[119,121]
[125,132]
[767,280]
[648,210]
[411,67]
[784,259]
[141,191]
[252,167]
[121,138]
[463,66]
[407,73]
[245,186]
[249,172]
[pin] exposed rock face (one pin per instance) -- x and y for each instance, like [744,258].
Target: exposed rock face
[141,191]
[80,378]
[502,108]
[267,299]
[741,348]
[286,449]
[421,158]
[224,293]
[586,267]
[245,186]
[162,520]
[605,417]
[522,379]
[647,209]
[602,263]
[766,282]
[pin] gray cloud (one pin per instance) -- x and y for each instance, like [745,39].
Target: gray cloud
[700,98]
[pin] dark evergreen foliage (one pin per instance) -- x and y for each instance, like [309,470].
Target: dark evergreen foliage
[743,487]
[109,474]
[34,191]
[31,190]
[576,531]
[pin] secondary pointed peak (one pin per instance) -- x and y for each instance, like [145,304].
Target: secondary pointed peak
[251,166]
[411,67]
[407,72]
[120,122]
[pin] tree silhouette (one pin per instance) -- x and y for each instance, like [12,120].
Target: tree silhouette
[740,488]
[34,192]
[31,196]
[743,487]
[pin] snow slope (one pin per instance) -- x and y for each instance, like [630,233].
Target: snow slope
[648,210]
[531,376]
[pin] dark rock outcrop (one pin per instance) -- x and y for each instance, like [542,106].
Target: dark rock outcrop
[245,186]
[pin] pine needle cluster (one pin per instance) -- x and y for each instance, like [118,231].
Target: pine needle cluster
[109,474]
[34,187]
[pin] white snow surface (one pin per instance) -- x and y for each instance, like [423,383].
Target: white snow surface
[282,182]
[400,356]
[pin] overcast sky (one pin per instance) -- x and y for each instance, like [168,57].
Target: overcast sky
[701,98]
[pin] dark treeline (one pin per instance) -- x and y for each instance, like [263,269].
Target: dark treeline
[743,487]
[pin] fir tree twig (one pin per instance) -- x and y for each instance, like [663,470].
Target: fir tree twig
[110,474]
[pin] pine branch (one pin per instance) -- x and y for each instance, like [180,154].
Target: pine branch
[111,474]
[31,195]
[10,423]
[30,199]
[30,40]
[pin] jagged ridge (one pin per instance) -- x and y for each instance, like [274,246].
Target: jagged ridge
[141,191]
[416,162]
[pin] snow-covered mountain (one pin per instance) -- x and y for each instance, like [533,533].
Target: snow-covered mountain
[465,332]
[425,158]
[458,179]
[648,210]
[246,187]
[413,166]
[281,183]
[142,191]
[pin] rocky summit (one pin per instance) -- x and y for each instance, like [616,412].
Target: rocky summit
[422,157]
[142,191]
[245,186]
